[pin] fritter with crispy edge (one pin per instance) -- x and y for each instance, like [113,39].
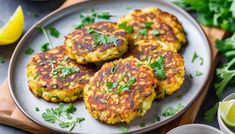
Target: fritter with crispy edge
[120,91]
[100,41]
[56,78]
[154,24]
[149,52]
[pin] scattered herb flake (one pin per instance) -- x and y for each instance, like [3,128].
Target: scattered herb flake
[211,113]
[68,70]
[45,47]
[178,96]
[201,61]
[198,73]
[127,28]
[148,24]
[125,86]
[190,76]
[2,60]
[157,119]
[155,32]
[170,111]
[37,109]
[111,85]
[104,15]
[29,51]
[113,69]
[53,31]
[143,32]
[158,67]
[123,128]
[195,56]
[142,124]
[43,30]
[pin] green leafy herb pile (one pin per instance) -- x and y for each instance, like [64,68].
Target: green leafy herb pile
[62,115]
[219,13]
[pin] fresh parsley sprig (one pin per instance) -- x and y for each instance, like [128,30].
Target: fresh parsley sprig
[126,27]
[158,67]
[57,114]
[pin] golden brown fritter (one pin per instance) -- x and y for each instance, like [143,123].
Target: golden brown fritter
[154,24]
[120,91]
[84,44]
[149,52]
[54,77]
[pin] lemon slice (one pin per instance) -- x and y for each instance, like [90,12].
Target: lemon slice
[227,112]
[13,29]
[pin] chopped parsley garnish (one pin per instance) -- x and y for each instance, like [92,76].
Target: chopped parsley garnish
[101,39]
[158,67]
[125,87]
[170,111]
[53,31]
[127,28]
[45,47]
[123,128]
[60,113]
[157,119]
[195,56]
[37,109]
[198,73]
[43,30]
[142,124]
[104,15]
[143,32]
[2,60]
[211,113]
[190,76]
[87,19]
[155,32]
[36,76]
[111,85]
[113,69]
[148,24]
[29,51]
[68,70]
[201,61]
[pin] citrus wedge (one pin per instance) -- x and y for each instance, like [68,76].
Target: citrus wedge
[227,111]
[13,29]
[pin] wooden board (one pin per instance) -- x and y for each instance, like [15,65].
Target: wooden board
[12,116]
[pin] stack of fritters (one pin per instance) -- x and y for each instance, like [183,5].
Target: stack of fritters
[121,90]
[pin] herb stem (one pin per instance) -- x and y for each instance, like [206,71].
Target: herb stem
[45,34]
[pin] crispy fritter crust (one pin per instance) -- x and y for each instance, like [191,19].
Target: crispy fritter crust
[55,87]
[80,43]
[169,28]
[149,51]
[108,106]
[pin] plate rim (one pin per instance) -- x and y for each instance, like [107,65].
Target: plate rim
[145,129]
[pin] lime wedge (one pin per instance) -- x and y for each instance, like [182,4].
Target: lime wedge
[227,112]
[13,29]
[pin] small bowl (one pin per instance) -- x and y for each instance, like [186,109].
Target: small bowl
[195,129]
[222,126]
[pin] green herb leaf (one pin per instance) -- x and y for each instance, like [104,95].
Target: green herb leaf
[157,119]
[68,70]
[198,73]
[111,85]
[29,51]
[142,124]
[70,108]
[113,69]
[37,109]
[148,24]
[170,111]
[49,116]
[125,26]
[2,60]
[43,30]
[101,39]
[53,31]
[155,32]
[143,32]
[45,47]
[195,56]
[211,113]
[158,67]
[125,87]
[104,15]
[123,128]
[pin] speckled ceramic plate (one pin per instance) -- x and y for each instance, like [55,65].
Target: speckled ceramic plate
[64,20]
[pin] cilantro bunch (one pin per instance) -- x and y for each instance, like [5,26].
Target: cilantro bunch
[219,13]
